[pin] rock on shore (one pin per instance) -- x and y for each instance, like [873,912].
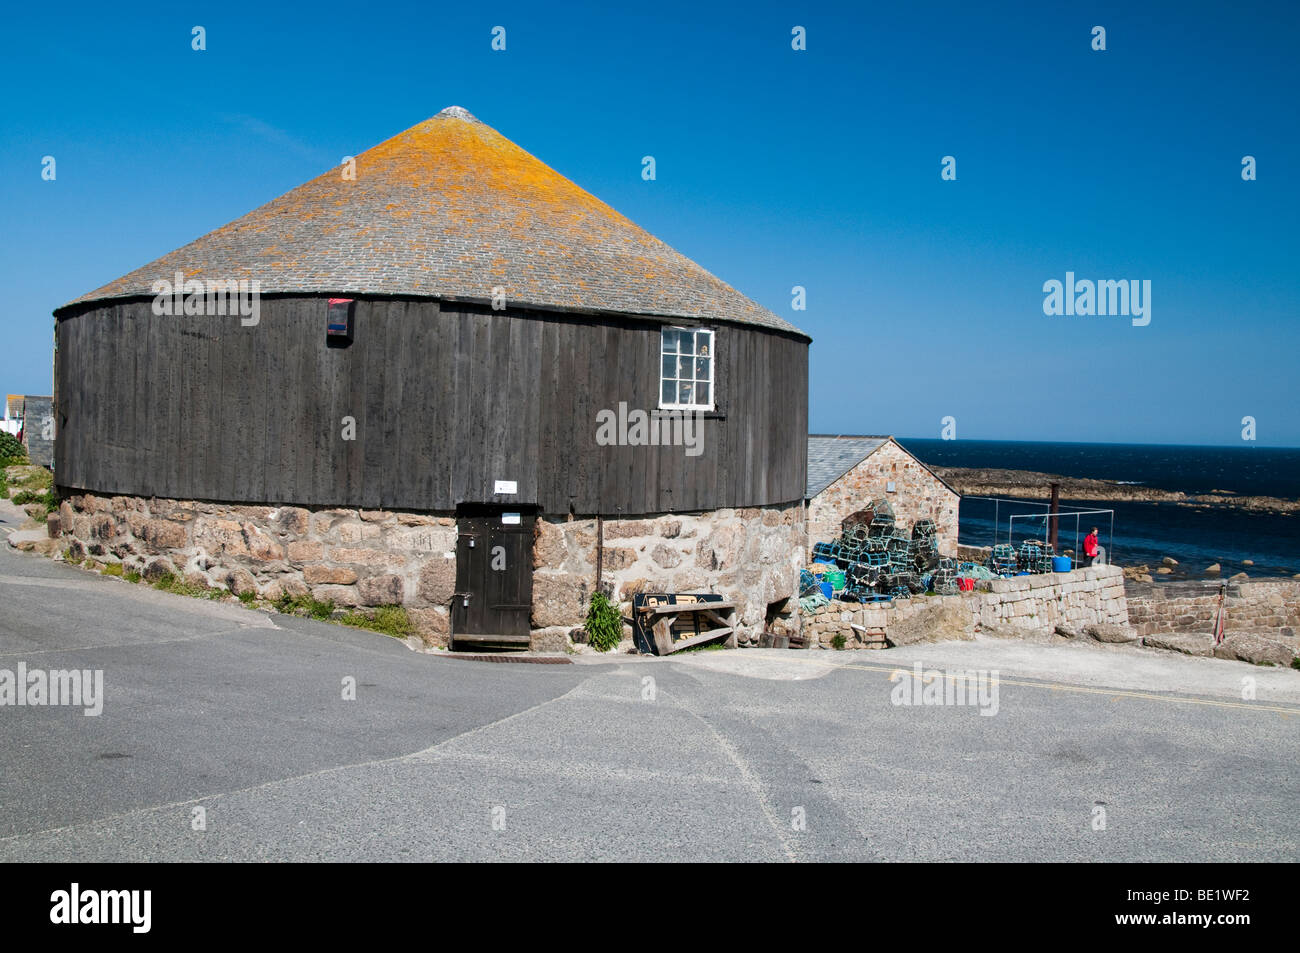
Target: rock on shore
[1029,484]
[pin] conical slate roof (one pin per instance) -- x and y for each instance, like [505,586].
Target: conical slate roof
[450,209]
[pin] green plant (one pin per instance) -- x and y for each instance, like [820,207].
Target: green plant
[304,605]
[11,451]
[838,641]
[132,576]
[47,497]
[390,620]
[47,500]
[170,582]
[705,647]
[113,569]
[37,478]
[604,623]
[247,597]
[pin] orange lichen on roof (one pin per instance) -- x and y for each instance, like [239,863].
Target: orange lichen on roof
[450,207]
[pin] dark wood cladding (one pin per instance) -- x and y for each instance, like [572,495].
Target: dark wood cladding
[446,402]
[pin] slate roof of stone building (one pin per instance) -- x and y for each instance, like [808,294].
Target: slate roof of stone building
[450,209]
[831,456]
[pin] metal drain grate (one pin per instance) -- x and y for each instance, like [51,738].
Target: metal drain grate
[506,657]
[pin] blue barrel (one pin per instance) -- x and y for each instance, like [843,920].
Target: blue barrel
[827,589]
[1060,564]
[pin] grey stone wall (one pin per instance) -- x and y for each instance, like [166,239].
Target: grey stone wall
[1037,602]
[1269,607]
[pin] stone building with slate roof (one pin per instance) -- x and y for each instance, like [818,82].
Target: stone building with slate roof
[443,377]
[845,473]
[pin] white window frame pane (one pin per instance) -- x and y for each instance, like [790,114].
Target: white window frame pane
[690,349]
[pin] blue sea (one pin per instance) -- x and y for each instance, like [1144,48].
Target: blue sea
[1145,532]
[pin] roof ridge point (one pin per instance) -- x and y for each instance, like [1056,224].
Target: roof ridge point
[457,112]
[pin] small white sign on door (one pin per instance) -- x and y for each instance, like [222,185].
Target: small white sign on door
[510,519]
[509,487]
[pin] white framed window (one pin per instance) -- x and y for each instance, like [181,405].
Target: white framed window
[686,369]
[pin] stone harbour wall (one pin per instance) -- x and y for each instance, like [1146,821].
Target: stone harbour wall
[1036,602]
[368,558]
[918,494]
[1269,607]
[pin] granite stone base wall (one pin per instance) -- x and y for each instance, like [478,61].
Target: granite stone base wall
[348,556]
[369,558]
[1037,602]
[752,556]
[1268,607]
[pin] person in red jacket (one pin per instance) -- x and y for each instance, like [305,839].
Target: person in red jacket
[1090,548]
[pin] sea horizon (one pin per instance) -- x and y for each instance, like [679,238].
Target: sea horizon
[1242,444]
[1258,543]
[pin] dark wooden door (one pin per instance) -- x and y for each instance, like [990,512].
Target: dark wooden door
[494,576]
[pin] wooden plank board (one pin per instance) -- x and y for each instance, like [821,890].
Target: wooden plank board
[442,406]
[503,435]
[422,361]
[568,404]
[663,636]
[370,417]
[234,405]
[494,639]
[277,321]
[700,639]
[683,607]
[396,420]
[553,488]
[473,450]
[459,331]
[532,463]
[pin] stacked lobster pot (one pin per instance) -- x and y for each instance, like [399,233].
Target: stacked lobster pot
[1035,556]
[862,582]
[1003,560]
[944,579]
[883,560]
[882,519]
[925,546]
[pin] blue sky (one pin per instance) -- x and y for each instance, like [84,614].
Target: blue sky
[775,168]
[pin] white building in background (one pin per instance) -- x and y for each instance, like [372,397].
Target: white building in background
[13,421]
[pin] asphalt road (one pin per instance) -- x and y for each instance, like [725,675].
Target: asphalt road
[772,756]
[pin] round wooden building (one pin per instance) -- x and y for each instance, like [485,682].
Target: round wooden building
[443,376]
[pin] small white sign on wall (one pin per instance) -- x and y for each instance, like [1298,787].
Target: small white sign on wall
[507,487]
[510,519]
[889,487]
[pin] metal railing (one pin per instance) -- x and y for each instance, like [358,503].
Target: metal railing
[1063,512]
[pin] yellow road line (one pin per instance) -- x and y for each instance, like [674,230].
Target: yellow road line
[1081,689]
[1056,686]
